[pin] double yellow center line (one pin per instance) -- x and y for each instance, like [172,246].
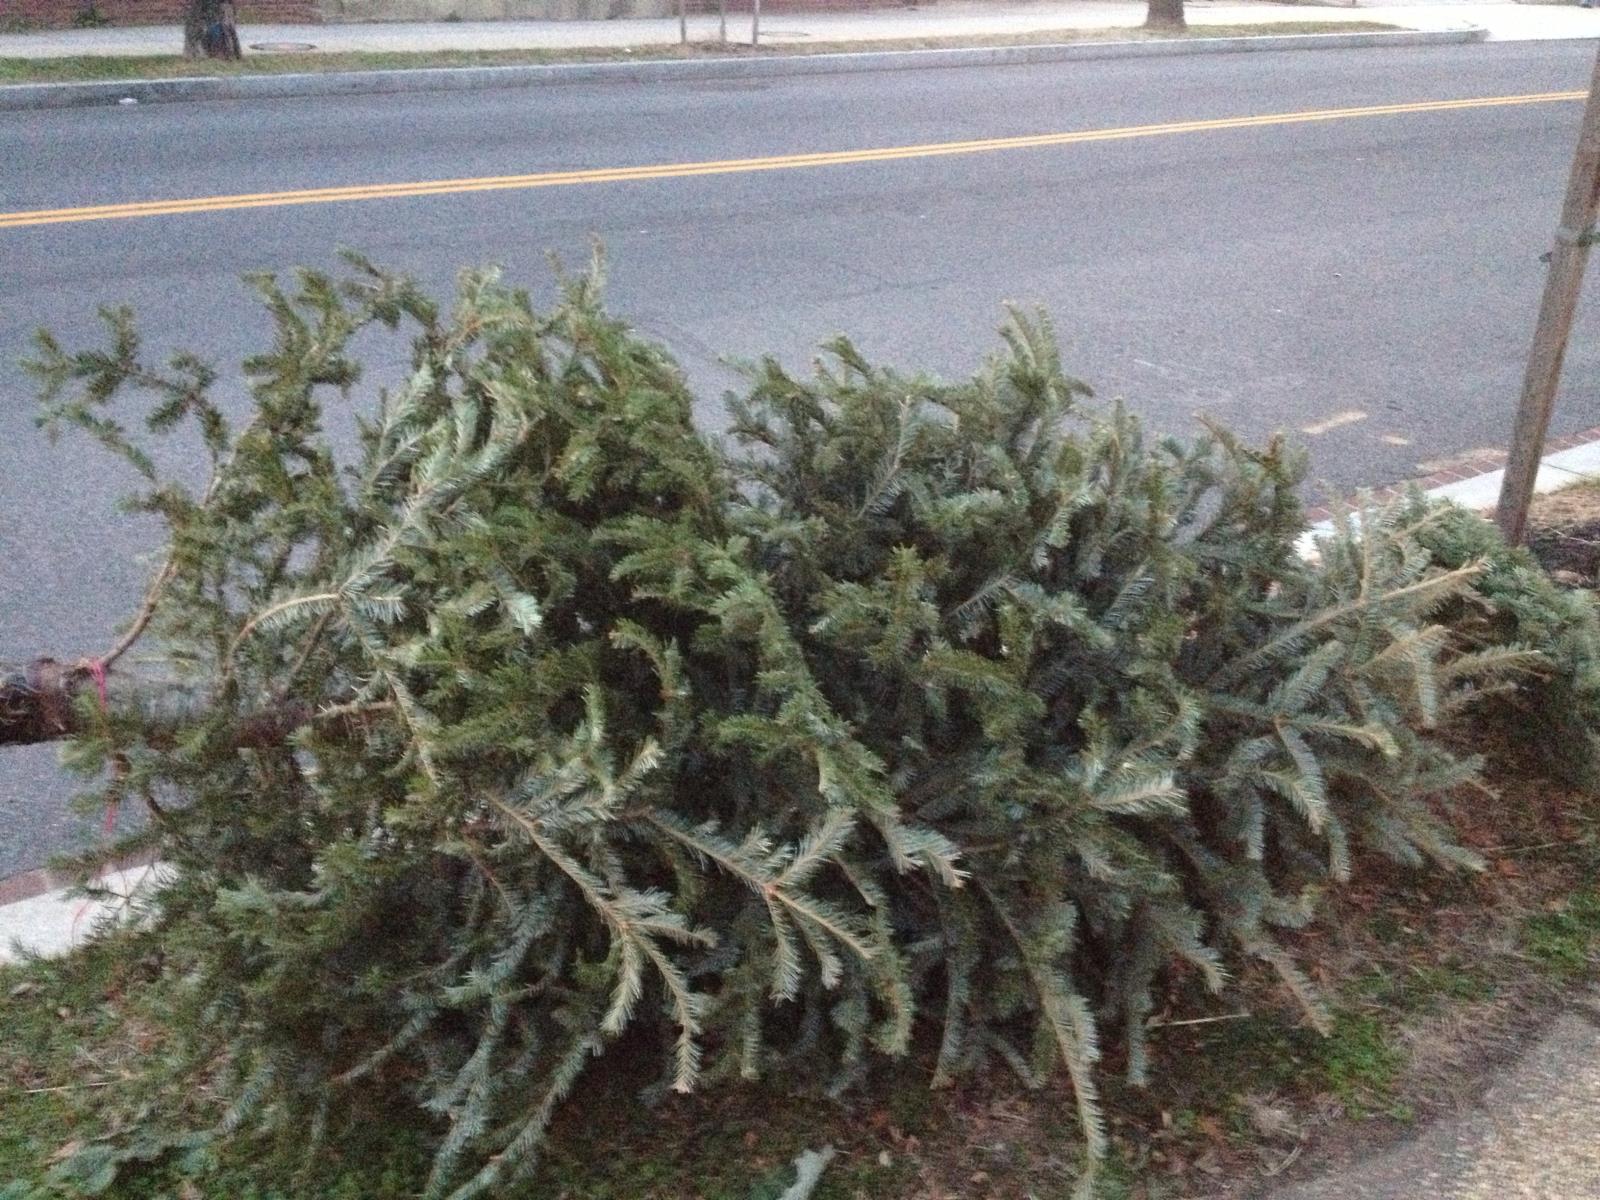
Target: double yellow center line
[733,166]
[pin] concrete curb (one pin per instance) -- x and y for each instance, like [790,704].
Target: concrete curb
[1569,461]
[53,923]
[28,884]
[1474,479]
[1559,470]
[19,97]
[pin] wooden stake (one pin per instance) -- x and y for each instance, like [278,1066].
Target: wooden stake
[755,22]
[1562,285]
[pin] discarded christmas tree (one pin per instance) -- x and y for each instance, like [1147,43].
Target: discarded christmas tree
[543,717]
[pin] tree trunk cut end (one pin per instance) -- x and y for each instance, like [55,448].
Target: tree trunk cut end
[36,701]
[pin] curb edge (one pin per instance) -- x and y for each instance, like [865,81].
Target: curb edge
[27,97]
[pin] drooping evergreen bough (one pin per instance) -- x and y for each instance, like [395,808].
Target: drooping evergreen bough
[904,702]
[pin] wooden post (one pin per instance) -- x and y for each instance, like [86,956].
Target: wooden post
[1561,287]
[755,22]
[683,22]
[722,22]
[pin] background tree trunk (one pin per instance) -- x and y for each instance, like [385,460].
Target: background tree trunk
[210,30]
[1165,15]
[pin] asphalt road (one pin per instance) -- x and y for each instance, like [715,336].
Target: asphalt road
[1273,276]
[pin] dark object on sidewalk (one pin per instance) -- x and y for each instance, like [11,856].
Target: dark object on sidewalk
[1165,15]
[210,30]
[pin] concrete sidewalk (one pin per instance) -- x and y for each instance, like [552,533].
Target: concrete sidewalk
[1531,1137]
[963,18]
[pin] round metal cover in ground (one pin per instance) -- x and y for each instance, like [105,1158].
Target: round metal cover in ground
[282,47]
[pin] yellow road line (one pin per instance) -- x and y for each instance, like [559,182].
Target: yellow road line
[787,162]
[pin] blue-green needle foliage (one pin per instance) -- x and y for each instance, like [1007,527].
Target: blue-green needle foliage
[542,718]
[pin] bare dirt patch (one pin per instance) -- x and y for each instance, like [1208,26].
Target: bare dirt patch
[1565,534]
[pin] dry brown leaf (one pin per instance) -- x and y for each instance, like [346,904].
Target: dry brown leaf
[1270,1117]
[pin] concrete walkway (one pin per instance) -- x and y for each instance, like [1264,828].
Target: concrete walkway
[961,18]
[1533,1136]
